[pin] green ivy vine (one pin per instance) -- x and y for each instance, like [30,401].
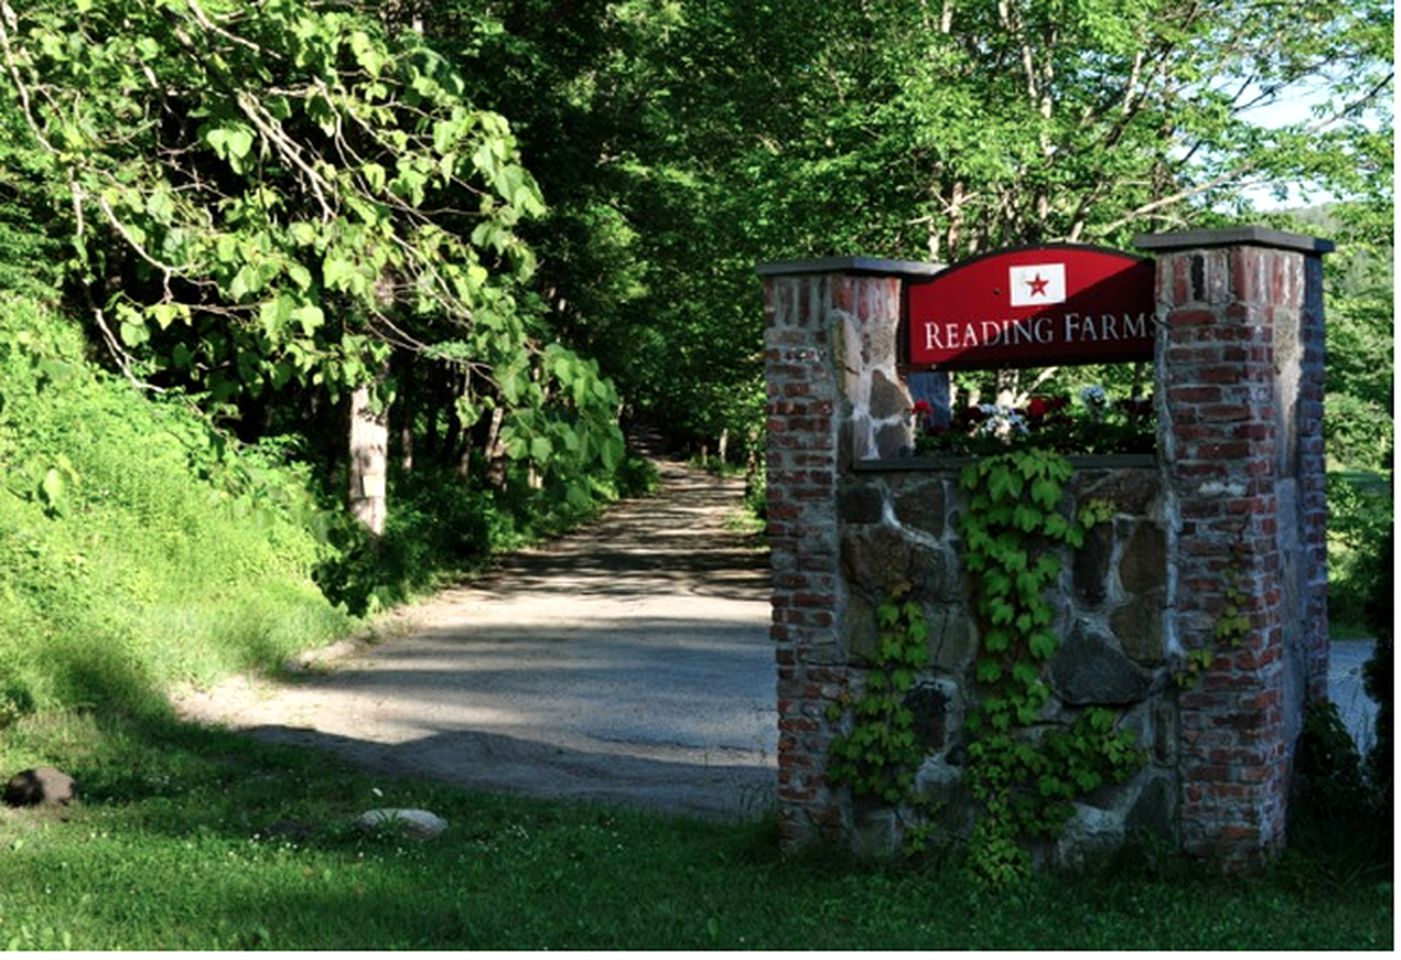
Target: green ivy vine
[879,755]
[1024,783]
[1229,632]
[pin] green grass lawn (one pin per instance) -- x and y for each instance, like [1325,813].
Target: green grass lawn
[160,854]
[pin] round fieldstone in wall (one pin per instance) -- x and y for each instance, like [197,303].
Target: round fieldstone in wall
[1131,491]
[860,632]
[876,558]
[1090,566]
[892,441]
[1139,626]
[863,503]
[930,705]
[877,345]
[931,573]
[940,781]
[1143,565]
[1155,810]
[953,636]
[1090,669]
[887,398]
[921,507]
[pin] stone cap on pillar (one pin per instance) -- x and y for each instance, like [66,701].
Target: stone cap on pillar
[1254,236]
[859,265]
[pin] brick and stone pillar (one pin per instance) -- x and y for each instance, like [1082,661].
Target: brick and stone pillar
[1240,403]
[820,315]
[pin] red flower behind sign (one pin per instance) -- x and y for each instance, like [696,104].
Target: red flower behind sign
[1048,421]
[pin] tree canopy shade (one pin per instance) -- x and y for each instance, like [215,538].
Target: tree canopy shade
[284,192]
[679,144]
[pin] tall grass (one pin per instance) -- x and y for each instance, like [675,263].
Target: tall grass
[134,551]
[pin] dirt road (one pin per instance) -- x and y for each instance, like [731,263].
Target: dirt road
[628,663]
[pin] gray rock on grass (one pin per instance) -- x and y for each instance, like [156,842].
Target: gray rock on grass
[419,824]
[46,786]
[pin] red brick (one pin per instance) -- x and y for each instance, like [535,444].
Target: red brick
[1191,318]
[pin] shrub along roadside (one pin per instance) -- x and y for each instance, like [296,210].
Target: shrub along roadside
[160,854]
[442,528]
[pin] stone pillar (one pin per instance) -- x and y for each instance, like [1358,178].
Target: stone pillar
[814,312]
[1240,390]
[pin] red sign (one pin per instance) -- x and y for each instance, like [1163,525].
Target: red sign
[1037,306]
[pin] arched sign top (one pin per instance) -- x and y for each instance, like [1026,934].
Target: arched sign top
[1032,306]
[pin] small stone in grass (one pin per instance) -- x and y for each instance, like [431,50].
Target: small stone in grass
[49,786]
[416,823]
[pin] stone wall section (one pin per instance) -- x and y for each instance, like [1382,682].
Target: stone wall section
[899,524]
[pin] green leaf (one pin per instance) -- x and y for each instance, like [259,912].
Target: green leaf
[160,205]
[1028,586]
[1024,673]
[367,53]
[247,281]
[1026,517]
[989,671]
[240,142]
[611,452]
[167,313]
[310,318]
[133,333]
[374,175]
[1004,484]
[337,273]
[1042,644]
[1046,492]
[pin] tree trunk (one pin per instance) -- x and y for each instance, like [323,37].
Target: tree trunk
[369,454]
[404,411]
[455,431]
[406,446]
[495,456]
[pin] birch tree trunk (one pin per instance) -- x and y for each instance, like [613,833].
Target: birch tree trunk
[369,457]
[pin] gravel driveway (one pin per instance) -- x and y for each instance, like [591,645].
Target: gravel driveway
[628,662]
